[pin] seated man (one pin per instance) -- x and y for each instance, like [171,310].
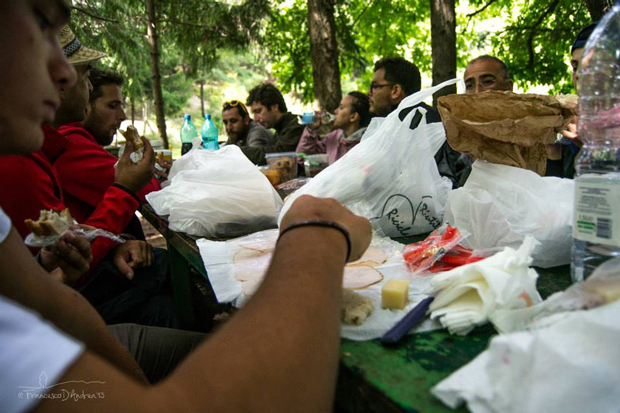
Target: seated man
[269,109]
[396,78]
[572,143]
[86,170]
[243,131]
[350,122]
[46,327]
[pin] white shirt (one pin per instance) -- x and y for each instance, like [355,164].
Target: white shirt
[34,354]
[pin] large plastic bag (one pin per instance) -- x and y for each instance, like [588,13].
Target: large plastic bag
[217,194]
[391,176]
[499,205]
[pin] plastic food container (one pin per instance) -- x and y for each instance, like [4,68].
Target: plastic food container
[285,163]
[313,164]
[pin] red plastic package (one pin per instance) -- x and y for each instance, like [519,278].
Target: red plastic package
[422,255]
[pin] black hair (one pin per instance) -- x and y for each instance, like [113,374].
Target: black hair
[361,105]
[487,57]
[402,72]
[267,95]
[99,78]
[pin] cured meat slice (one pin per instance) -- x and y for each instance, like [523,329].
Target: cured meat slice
[360,276]
[249,264]
[372,257]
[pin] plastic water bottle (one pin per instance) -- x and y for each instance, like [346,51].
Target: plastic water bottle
[188,133]
[209,135]
[596,222]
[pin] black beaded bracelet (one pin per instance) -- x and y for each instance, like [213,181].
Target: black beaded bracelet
[322,223]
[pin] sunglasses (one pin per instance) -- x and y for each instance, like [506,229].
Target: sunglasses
[234,103]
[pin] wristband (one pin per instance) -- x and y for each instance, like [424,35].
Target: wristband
[321,223]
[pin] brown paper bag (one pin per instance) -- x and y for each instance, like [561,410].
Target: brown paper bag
[504,127]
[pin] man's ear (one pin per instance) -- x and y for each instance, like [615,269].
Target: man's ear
[246,120]
[510,84]
[62,92]
[274,107]
[88,109]
[398,93]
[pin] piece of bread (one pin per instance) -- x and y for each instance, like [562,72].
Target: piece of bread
[132,134]
[50,222]
[355,307]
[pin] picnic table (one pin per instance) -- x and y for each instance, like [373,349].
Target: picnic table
[372,377]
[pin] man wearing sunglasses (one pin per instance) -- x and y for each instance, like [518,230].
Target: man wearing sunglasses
[241,130]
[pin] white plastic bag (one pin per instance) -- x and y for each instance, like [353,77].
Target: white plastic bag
[499,205]
[217,194]
[391,176]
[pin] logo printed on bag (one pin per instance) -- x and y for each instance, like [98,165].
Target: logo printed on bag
[431,116]
[402,215]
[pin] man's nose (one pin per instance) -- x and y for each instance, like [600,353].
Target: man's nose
[123,115]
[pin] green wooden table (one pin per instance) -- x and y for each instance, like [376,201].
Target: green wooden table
[372,378]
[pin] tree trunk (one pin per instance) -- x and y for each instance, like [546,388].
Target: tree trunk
[443,44]
[202,98]
[598,8]
[324,53]
[133,111]
[153,39]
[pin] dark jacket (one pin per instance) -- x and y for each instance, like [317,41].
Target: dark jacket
[286,138]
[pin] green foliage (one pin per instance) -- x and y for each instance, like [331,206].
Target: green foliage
[535,44]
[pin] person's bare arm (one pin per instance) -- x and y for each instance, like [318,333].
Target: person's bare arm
[279,353]
[24,281]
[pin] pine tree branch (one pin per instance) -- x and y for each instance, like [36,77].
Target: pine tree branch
[94,16]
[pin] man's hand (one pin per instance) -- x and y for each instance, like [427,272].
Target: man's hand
[69,260]
[307,207]
[165,164]
[571,133]
[134,176]
[133,254]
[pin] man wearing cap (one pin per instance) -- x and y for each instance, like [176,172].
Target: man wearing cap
[32,183]
[243,131]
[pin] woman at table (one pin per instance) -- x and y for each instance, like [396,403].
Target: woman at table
[279,351]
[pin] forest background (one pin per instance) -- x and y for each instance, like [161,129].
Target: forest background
[190,56]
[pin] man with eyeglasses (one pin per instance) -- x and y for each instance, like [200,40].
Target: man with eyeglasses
[395,78]
[243,131]
[487,73]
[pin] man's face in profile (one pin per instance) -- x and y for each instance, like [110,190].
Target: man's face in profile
[483,75]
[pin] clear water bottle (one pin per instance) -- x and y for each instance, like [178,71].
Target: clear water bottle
[209,135]
[188,133]
[596,222]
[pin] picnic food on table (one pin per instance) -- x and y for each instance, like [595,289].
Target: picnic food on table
[131,134]
[394,294]
[50,222]
[251,263]
[355,307]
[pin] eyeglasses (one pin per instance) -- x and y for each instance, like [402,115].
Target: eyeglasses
[484,83]
[234,103]
[374,86]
